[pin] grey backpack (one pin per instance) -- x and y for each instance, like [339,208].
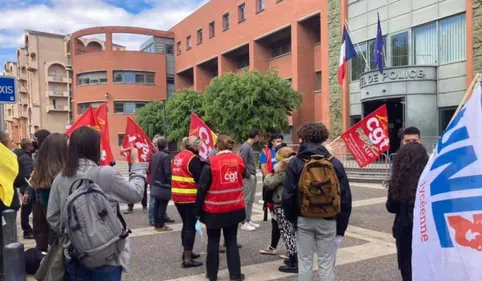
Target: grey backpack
[93,224]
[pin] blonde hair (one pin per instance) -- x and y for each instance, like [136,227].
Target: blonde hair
[225,142]
[191,142]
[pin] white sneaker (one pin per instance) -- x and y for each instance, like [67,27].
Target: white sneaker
[246,226]
[269,251]
[255,225]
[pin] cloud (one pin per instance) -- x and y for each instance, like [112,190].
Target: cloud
[68,16]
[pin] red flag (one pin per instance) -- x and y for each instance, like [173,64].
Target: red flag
[369,138]
[86,119]
[200,129]
[135,136]
[100,114]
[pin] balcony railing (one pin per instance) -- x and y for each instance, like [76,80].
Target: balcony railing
[58,108]
[56,93]
[58,78]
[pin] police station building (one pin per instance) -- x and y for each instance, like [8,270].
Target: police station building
[428,62]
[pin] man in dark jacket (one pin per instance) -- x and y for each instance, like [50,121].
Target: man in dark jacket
[25,168]
[315,231]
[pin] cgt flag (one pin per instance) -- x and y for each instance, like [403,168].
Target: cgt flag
[135,137]
[86,119]
[369,138]
[100,115]
[200,129]
[447,218]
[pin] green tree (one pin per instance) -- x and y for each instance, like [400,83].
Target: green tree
[178,112]
[151,118]
[235,104]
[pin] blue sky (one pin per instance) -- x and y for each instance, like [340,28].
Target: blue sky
[67,16]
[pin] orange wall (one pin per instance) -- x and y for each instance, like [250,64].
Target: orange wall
[282,65]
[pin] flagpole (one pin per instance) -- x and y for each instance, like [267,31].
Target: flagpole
[358,46]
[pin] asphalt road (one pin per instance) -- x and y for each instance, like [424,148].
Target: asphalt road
[367,252]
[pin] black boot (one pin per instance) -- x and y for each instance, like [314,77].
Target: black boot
[193,256]
[291,266]
[237,278]
[188,262]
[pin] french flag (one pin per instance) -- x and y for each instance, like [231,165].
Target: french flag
[347,52]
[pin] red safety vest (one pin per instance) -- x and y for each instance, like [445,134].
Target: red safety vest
[226,192]
[183,186]
[269,160]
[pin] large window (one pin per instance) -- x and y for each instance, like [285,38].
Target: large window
[358,64]
[242,12]
[400,49]
[199,36]
[149,49]
[82,107]
[212,30]
[128,107]
[371,50]
[446,114]
[188,42]
[243,61]
[131,77]
[99,77]
[259,5]
[226,21]
[281,48]
[452,39]
[425,44]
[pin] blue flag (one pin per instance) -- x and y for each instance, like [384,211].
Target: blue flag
[378,52]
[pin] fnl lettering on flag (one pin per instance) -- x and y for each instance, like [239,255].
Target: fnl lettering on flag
[447,225]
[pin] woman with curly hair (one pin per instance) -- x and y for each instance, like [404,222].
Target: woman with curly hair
[408,166]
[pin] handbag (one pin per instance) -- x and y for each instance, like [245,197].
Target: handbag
[52,267]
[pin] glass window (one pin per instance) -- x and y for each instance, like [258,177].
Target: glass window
[170,80]
[128,107]
[92,78]
[129,77]
[446,114]
[452,36]
[120,139]
[179,49]
[139,105]
[118,107]
[226,21]
[169,49]
[281,48]
[425,44]
[212,30]
[260,6]
[318,80]
[242,12]
[200,36]
[140,78]
[358,63]
[82,107]
[150,78]
[118,77]
[400,49]
[188,42]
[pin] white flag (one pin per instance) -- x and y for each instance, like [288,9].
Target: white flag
[447,224]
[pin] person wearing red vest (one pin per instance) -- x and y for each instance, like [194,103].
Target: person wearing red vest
[186,170]
[221,205]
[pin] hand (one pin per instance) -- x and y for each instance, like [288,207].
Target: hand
[133,153]
[25,199]
[338,239]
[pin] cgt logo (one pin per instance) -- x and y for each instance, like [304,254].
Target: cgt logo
[467,233]
[231,177]
[142,147]
[177,162]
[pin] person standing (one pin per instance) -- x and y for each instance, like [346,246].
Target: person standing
[25,168]
[83,159]
[186,171]
[250,181]
[220,205]
[161,185]
[411,134]
[51,159]
[318,228]
[408,166]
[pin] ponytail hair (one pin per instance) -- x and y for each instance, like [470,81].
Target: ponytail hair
[225,142]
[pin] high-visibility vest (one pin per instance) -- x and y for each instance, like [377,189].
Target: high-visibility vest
[183,186]
[269,160]
[226,191]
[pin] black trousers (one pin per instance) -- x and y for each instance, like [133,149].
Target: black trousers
[188,232]
[275,234]
[160,213]
[232,252]
[41,227]
[25,212]
[404,254]
[144,199]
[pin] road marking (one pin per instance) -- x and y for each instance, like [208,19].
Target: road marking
[367,202]
[269,270]
[368,185]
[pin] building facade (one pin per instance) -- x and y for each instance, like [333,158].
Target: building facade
[430,50]
[126,80]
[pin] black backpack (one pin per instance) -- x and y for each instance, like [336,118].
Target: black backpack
[33,258]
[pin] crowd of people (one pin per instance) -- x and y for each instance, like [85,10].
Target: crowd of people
[77,219]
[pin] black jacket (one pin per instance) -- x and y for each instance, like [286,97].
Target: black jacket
[25,168]
[161,175]
[213,221]
[290,186]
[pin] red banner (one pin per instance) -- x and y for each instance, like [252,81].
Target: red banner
[369,138]
[200,129]
[134,136]
[86,119]
[100,114]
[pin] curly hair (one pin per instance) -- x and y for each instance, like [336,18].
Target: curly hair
[407,168]
[313,133]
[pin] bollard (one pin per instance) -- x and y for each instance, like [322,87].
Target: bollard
[14,262]
[9,230]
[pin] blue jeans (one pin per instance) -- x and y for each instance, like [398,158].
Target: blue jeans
[153,208]
[76,271]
